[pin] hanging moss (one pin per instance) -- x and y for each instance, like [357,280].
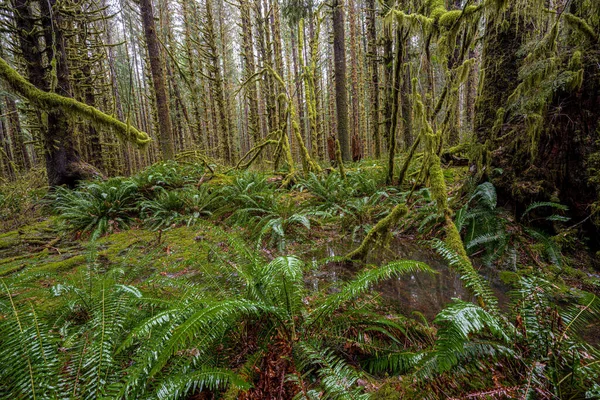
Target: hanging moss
[582,26]
[51,101]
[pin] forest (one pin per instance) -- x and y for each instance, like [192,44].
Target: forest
[299,199]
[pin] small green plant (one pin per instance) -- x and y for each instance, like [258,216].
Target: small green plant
[484,225]
[168,175]
[175,207]
[20,200]
[247,190]
[98,207]
[330,191]
[274,216]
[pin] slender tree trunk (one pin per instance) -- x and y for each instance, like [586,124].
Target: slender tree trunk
[341,97]
[388,73]
[373,68]
[354,84]
[165,137]
[400,38]
[249,71]
[406,104]
[16,132]
[6,154]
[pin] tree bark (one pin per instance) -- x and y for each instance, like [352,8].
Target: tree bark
[373,68]
[165,137]
[341,97]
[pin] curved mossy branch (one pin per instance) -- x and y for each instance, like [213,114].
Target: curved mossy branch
[408,160]
[453,240]
[582,26]
[53,101]
[378,233]
[255,152]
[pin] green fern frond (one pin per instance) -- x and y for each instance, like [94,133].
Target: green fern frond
[337,378]
[486,194]
[179,386]
[459,322]
[470,277]
[397,363]
[540,204]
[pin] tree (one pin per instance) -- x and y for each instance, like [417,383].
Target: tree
[341,96]
[165,137]
[373,68]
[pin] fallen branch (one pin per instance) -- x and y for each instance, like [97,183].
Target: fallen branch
[378,233]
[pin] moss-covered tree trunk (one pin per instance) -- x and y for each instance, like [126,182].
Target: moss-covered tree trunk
[387,59]
[500,64]
[373,69]
[63,164]
[542,132]
[356,142]
[249,70]
[401,37]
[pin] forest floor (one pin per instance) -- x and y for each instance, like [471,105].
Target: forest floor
[183,228]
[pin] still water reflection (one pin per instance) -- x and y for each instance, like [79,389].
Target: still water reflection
[421,292]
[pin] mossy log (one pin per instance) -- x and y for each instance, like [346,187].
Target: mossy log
[453,239]
[378,233]
[52,101]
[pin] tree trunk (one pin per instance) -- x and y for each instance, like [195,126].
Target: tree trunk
[165,137]
[341,97]
[249,70]
[63,164]
[373,68]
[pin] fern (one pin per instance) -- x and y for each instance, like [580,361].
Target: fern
[398,363]
[97,208]
[337,378]
[28,353]
[180,386]
[550,247]
[460,321]
[544,204]
[94,323]
[468,275]
[486,195]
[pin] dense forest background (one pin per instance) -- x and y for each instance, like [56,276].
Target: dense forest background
[515,85]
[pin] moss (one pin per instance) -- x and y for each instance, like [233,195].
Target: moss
[438,184]
[72,107]
[509,277]
[582,26]
[338,158]
[377,234]
[438,9]
[63,265]
[386,392]
[449,18]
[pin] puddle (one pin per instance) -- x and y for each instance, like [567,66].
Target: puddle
[421,292]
